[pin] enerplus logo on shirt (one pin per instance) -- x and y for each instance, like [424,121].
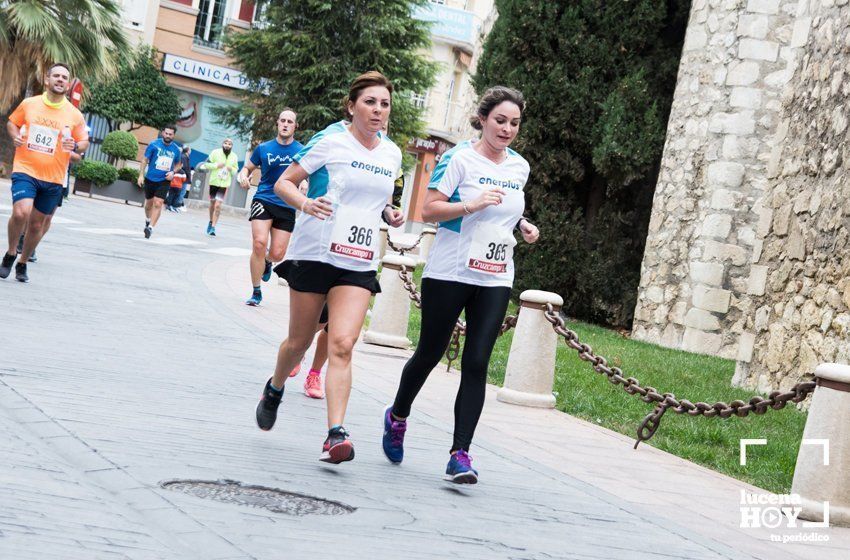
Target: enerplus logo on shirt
[376,169]
[506,183]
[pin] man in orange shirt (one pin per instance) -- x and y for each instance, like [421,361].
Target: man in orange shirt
[45,129]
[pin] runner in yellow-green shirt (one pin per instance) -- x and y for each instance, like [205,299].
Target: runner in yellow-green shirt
[223,164]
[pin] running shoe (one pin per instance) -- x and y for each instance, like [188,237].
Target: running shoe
[148,232]
[21,272]
[33,257]
[337,448]
[393,440]
[267,272]
[459,470]
[313,386]
[210,229]
[255,299]
[267,407]
[295,370]
[6,265]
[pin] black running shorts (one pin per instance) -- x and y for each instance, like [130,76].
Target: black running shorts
[217,193]
[282,218]
[318,277]
[158,189]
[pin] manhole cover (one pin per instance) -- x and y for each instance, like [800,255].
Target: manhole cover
[272,499]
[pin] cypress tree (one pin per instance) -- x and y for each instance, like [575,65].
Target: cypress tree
[599,79]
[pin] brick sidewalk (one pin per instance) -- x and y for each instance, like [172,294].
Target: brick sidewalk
[135,362]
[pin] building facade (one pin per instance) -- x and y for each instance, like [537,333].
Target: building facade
[188,34]
[457,35]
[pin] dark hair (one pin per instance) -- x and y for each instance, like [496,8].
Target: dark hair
[492,97]
[361,82]
[173,127]
[55,64]
[185,147]
[291,110]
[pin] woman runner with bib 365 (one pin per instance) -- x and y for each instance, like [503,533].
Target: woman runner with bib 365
[334,249]
[476,194]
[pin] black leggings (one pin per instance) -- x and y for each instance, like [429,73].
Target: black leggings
[442,302]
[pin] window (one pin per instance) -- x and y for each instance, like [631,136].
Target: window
[209,27]
[420,100]
[261,9]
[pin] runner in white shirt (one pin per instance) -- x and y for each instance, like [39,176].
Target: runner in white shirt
[334,249]
[476,193]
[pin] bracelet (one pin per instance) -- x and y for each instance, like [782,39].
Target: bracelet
[465,209]
[303,204]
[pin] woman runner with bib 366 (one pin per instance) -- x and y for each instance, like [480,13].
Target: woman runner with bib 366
[334,249]
[476,194]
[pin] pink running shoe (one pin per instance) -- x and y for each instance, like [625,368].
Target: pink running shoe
[313,385]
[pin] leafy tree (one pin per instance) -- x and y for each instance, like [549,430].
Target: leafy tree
[306,53]
[120,144]
[88,35]
[599,79]
[138,94]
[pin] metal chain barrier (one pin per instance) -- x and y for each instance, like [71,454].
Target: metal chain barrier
[668,401]
[403,250]
[776,400]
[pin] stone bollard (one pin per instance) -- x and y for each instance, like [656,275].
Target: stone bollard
[388,326]
[428,233]
[531,363]
[384,229]
[827,427]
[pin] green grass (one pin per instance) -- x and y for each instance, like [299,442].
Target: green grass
[711,442]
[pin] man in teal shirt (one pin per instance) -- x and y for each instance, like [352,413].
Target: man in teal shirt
[222,163]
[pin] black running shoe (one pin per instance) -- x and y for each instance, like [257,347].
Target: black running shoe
[148,232]
[21,272]
[267,407]
[337,448]
[6,266]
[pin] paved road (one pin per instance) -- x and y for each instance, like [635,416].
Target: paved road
[134,362]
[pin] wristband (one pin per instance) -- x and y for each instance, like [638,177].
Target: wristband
[465,209]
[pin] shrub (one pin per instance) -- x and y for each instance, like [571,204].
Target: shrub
[98,172]
[128,174]
[120,144]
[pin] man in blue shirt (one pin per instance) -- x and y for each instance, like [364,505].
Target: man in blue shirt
[162,159]
[270,216]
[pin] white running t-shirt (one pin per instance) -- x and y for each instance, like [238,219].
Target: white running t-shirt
[477,248]
[362,182]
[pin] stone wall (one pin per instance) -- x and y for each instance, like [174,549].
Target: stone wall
[697,279]
[802,314]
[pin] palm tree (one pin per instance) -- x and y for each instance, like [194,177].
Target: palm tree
[86,34]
